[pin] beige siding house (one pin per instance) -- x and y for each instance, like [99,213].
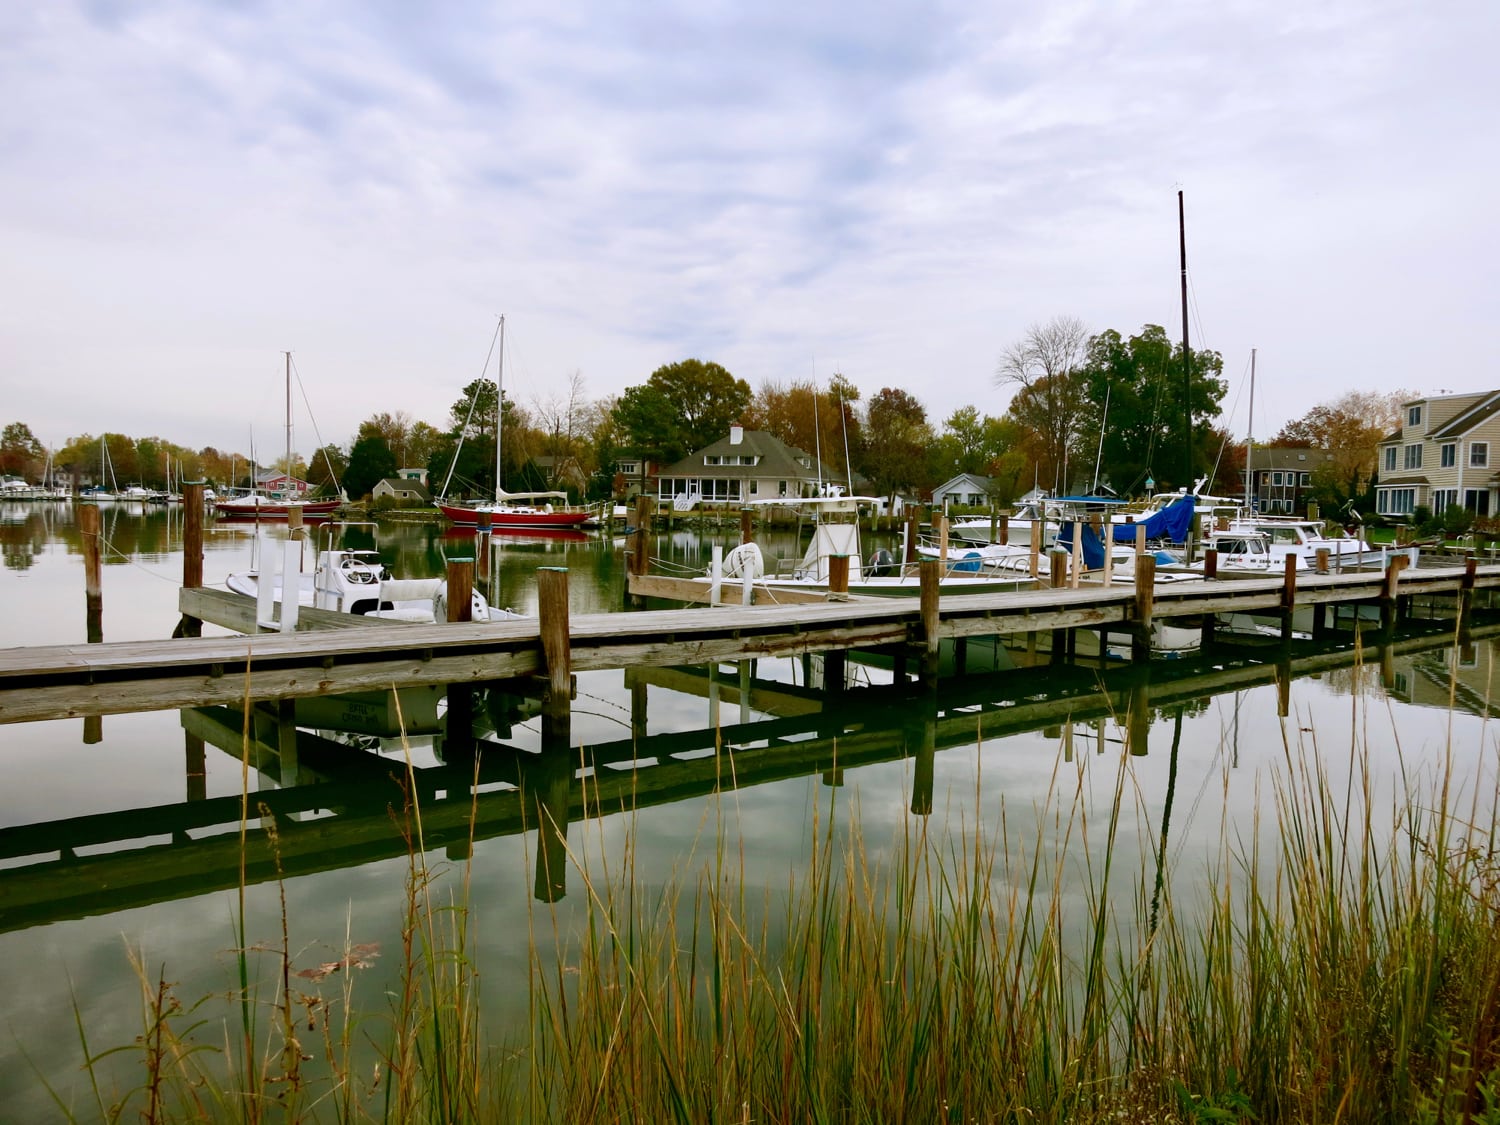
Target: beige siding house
[748,465]
[1446,452]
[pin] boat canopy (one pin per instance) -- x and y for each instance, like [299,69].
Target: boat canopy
[1171,523]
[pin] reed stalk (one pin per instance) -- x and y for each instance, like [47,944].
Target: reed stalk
[1339,961]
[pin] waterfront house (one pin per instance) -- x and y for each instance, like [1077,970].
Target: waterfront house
[745,466]
[1283,477]
[403,489]
[279,484]
[967,490]
[1443,454]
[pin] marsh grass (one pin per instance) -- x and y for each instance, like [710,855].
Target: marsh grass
[1338,963]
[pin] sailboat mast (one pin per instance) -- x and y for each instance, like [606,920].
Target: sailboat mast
[499,405]
[1187,363]
[287,480]
[1250,437]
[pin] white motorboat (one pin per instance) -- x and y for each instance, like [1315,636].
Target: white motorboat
[358,582]
[1305,538]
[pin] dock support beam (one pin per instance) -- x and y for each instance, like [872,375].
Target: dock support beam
[930,574]
[192,553]
[458,738]
[1288,595]
[89,527]
[557,723]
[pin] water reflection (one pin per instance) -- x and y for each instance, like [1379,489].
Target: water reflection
[333,775]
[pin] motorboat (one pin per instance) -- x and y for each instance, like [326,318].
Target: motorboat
[835,532]
[1305,539]
[358,582]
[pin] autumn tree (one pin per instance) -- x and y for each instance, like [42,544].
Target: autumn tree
[20,453]
[1349,428]
[896,440]
[681,407]
[807,417]
[1043,370]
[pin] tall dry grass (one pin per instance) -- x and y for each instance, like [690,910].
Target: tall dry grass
[1339,961]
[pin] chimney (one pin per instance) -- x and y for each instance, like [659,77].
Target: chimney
[736,434]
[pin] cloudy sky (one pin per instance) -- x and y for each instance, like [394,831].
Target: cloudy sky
[891,190]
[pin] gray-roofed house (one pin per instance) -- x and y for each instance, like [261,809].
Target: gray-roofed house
[1446,452]
[402,489]
[745,466]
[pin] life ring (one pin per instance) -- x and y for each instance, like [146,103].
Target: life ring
[745,561]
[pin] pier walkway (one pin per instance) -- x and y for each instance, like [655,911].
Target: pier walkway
[40,683]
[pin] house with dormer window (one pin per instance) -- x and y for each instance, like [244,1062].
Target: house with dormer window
[1446,452]
[747,466]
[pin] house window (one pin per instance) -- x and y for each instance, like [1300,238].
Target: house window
[1413,415]
[1442,498]
[1413,457]
[1479,454]
[1448,455]
[630,468]
[713,459]
[1396,501]
[783,488]
[1275,478]
[754,487]
[1390,459]
[1306,479]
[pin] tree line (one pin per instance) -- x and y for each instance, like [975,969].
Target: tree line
[1135,413]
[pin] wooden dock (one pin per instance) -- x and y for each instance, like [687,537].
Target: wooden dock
[64,681]
[336,809]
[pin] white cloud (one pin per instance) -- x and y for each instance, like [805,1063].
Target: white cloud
[895,191]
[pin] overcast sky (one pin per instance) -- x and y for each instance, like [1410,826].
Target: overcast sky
[895,191]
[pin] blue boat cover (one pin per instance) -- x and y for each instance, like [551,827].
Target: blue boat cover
[1171,523]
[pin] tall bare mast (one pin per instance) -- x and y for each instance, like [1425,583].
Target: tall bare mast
[286,486]
[1187,363]
[1250,437]
[499,407]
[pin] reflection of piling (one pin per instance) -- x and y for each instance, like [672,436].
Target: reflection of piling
[93,587]
[192,553]
[1138,717]
[925,759]
[196,767]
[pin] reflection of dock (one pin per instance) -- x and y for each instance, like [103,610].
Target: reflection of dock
[342,806]
[64,681]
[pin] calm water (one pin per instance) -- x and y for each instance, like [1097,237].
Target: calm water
[67,934]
